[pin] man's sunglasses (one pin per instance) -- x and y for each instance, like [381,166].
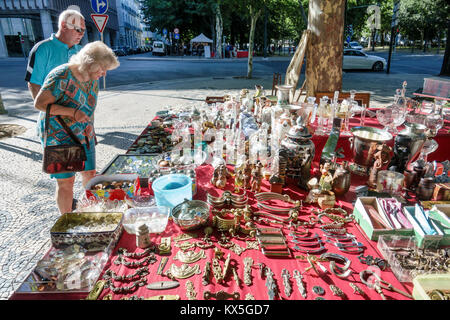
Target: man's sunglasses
[77,29]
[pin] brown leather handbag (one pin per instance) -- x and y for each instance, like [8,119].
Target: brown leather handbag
[62,158]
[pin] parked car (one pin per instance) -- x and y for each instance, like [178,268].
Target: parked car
[159,48]
[118,51]
[357,59]
[355,45]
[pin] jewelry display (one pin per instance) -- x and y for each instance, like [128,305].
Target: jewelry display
[286,282]
[217,270]
[109,274]
[96,290]
[206,276]
[162,265]
[300,284]
[221,295]
[182,272]
[190,291]
[189,256]
[249,296]
[164,246]
[163,285]
[248,262]
[376,281]
[336,291]
[236,277]
[272,288]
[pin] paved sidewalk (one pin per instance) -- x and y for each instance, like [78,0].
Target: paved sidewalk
[27,205]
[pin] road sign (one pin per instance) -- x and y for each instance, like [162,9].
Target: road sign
[177,36]
[100,21]
[99,6]
[164,31]
[176,31]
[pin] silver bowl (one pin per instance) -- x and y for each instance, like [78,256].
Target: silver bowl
[191,214]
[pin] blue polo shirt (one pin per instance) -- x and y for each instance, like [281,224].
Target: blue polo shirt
[45,56]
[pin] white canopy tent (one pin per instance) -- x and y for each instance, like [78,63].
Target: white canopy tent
[205,41]
[201,38]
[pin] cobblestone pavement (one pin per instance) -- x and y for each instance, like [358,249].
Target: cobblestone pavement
[27,205]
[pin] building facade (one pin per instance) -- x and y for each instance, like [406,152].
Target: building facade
[129,20]
[26,22]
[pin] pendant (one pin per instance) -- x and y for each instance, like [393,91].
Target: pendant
[217,270]
[248,262]
[190,256]
[182,272]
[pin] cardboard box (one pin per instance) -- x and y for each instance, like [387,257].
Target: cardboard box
[423,240]
[442,215]
[363,219]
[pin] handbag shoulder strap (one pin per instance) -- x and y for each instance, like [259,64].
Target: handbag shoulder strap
[63,124]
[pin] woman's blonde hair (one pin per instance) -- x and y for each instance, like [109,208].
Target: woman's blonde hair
[94,55]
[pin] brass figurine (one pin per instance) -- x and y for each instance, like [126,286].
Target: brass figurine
[382,158]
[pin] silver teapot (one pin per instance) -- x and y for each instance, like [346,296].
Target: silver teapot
[298,150]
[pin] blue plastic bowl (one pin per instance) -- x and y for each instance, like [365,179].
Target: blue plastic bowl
[171,189]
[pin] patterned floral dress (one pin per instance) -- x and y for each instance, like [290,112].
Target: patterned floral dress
[69,92]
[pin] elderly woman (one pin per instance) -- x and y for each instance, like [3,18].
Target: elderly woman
[71,91]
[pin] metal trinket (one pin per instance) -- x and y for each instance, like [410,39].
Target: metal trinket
[163,285]
[162,265]
[248,262]
[318,290]
[151,259]
[261,267]
[182,272]
[164,246]
[272,287]
[287,284]
[226,266]
[336,291]
[190,256]
[236,277]
[217,270]
[356,289]
[221,295]
[96,290]
[249,296]
[300,284]
[206,276]
[190,291]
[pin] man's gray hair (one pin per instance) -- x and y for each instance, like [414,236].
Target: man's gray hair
[70,14]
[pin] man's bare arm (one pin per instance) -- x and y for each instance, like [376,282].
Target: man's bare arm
[34,89]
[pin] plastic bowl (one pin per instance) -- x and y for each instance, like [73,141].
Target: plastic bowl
[172,189]
[155,218]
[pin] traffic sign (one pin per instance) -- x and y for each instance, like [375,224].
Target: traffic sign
[165,31]
[177,36]
[100,21]
[176,31]
[99,6]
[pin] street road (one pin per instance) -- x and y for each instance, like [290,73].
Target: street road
[135,69]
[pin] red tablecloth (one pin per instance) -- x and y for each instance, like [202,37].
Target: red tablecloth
[258,288]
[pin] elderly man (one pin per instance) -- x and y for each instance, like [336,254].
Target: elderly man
[56,50]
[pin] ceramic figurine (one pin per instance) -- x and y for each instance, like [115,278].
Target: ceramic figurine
[247,173]
[256,178]
[222,177]
[326,180]
[142,237]
[382,158]
[239,181]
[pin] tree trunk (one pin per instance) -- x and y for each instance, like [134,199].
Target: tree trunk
[219,29]
[213,32]
[445,70]
[254,17]
[325,49]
